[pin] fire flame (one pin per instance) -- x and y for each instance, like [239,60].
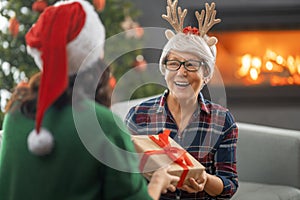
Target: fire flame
[272,67]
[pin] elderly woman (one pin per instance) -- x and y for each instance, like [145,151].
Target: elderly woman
[205,129]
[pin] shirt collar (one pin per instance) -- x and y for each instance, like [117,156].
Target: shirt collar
[163,101]
[202,103]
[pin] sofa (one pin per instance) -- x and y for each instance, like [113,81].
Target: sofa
[268,160]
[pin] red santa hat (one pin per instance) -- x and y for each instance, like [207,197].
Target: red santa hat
[60,41]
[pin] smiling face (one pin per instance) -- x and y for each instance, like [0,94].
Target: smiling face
[182,84]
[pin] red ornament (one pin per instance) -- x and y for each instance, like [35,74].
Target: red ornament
[13,26]
[39,6]
[191,30]
[23,84]
[99,4]
[139,32]
[112,81]
[140,64]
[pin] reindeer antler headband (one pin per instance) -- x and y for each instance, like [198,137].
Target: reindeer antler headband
[176,19]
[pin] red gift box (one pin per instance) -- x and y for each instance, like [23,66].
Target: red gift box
[161,150]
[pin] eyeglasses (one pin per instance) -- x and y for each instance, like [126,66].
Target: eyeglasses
[189,65]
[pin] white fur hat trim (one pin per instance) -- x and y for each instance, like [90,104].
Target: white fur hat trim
[40,143]
[87,47]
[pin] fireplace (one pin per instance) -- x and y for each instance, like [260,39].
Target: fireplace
[260,66]
[267,58]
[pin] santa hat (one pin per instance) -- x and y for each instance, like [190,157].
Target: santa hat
[60,41]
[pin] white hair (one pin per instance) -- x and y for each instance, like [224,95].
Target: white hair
[189,43]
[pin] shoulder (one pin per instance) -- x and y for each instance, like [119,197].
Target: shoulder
[141,111]
[217,109]
[221,114]
[214,107]
[146,105]
[15,117]
[91,112]
[102,120]
[105,116]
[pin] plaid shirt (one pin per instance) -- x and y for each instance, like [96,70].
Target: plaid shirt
[210,137]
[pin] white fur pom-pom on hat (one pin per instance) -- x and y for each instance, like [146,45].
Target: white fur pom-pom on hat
[40,143]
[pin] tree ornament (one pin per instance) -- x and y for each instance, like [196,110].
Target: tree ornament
[132,28]
[140,63]
[99,4]
[112,81]
[127,25]
[39,6]
[23,84]
[13,26]
[139,32]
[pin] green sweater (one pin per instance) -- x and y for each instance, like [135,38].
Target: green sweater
[70,172]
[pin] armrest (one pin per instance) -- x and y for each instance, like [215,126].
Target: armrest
[268,155]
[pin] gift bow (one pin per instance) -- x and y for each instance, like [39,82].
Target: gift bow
[172,152]
[191,30]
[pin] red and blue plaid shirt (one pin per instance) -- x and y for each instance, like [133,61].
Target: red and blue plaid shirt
[210,136]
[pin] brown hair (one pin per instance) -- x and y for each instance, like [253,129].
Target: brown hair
[27,94]
[24,92]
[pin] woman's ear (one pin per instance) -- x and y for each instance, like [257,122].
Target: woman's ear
[206,80]
[169,34]
[162,70]
[212,41]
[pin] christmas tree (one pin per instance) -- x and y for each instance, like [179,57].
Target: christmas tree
[17,16]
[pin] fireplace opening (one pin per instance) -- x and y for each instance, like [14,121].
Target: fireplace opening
[266,58]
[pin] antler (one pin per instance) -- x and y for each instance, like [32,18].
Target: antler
[209,18]
[172,16]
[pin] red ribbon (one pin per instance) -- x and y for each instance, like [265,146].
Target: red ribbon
[163,141]
[191,30]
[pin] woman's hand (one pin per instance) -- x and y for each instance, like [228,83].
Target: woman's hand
[161,181]
[196,185]
[166,180]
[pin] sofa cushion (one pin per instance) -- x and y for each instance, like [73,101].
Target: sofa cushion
[259,191]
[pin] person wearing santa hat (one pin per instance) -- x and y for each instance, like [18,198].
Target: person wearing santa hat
[49,139]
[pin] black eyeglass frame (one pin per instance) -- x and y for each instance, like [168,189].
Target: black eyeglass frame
[202,63]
